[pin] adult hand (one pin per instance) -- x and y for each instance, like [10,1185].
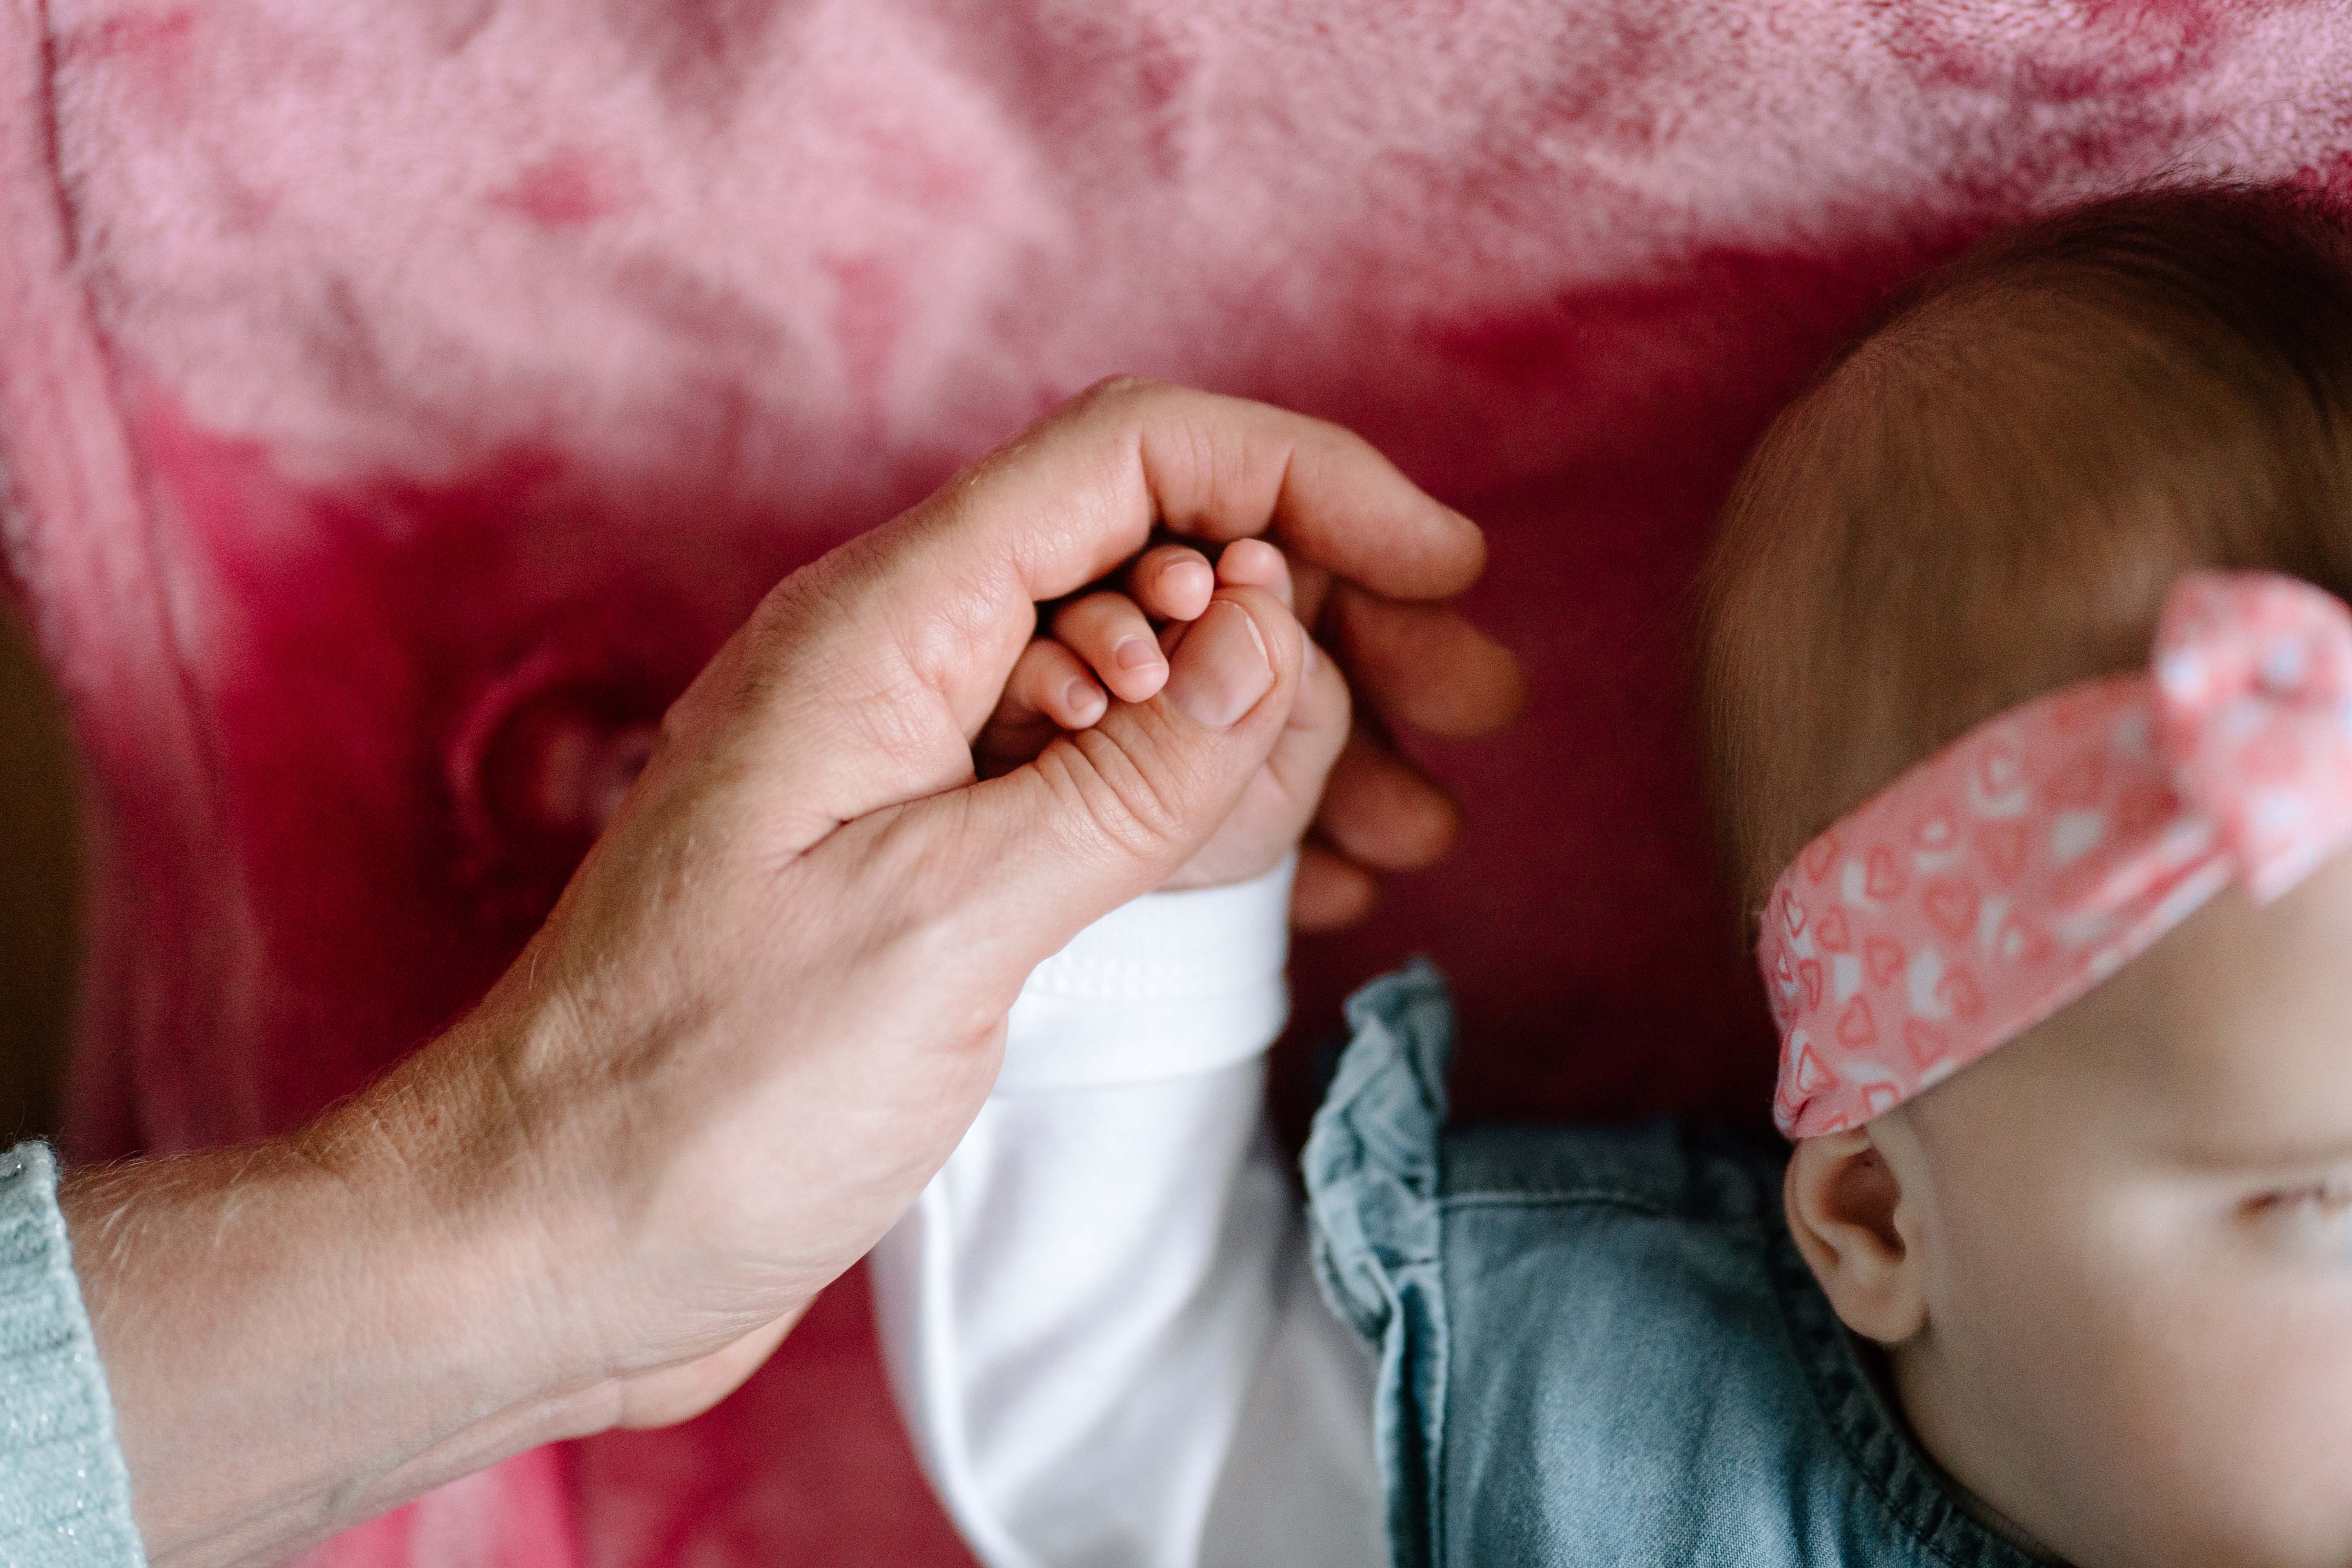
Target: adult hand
[1411,658]
[1413,664]
[760,1017]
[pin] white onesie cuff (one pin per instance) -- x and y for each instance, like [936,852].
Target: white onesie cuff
[1168,986]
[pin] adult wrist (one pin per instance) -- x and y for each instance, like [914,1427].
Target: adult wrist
[508,1213]
[303,1333]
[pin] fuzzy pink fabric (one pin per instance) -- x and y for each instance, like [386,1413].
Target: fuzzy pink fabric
[400,397]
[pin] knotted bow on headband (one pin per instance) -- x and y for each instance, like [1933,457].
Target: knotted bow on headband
[2017,868]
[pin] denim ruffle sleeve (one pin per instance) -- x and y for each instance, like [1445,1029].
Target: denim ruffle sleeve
[1598,1345]
[1372,1171]
[65,1497]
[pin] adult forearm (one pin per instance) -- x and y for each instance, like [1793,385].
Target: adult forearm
[301,1334]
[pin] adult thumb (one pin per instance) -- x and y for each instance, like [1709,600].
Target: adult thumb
[1111,811]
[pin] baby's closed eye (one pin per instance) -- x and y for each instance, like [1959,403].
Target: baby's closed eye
[2305,1219]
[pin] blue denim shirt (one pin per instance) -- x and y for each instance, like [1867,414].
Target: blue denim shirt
[1597,1346]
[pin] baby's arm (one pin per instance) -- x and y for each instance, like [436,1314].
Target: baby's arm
[1099,1317]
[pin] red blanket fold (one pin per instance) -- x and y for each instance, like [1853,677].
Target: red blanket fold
[400,397]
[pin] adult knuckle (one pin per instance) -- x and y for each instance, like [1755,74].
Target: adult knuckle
[1124,398]
[1132,801]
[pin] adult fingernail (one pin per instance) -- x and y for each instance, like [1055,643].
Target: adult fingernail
[1223,669]
[1136,653]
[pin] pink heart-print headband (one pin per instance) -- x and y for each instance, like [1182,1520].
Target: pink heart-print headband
[2019,866]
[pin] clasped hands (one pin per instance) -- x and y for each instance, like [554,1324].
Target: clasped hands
[771,999]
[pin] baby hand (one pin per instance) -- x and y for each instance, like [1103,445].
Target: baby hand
[1106,643]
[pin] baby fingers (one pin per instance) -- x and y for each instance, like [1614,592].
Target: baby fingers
[1254,564]
[1049,692]
[1051,682]
[1111,644]
[1110,634]
[1171,582]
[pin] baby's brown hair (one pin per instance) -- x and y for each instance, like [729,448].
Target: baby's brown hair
[1989,494]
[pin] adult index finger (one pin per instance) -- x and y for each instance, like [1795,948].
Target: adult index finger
[1080,490]
[861,680]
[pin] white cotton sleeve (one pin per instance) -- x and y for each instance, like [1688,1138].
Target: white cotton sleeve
[1100,1318]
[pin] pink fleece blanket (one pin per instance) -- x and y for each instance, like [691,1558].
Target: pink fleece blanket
[399,398]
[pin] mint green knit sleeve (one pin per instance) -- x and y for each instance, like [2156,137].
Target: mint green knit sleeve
[65,1499]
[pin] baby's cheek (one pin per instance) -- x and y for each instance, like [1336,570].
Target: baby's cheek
[2214,1396]
[2246,1413]
[2041,1286]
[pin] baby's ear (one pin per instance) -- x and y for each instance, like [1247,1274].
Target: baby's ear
[1857,1226]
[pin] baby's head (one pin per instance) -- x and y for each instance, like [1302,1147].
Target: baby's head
[2111,1259]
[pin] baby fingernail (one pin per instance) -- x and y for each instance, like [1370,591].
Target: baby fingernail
[1135,653]
[1080,698]
[1224,669]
